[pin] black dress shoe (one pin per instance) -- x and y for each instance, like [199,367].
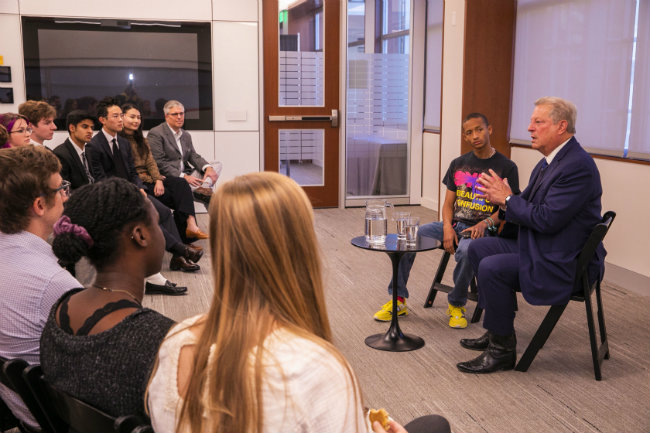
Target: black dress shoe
[182,264]
[480,343]
[168,288]
[501,354]
[202,195]
[192,253]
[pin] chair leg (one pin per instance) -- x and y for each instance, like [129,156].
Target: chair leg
[478,311]
[601,319]
[436,280]
[596,354]
[540,337]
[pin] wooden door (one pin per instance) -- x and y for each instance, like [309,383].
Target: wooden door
[301,94]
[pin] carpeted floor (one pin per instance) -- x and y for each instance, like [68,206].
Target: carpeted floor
[557,394]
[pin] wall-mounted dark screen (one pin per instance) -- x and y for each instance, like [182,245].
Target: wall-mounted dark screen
[5,74]
[6,95]
[74,63]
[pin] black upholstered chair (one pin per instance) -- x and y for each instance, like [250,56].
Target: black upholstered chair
[75,414]
[598,351]
[437,286]
[11,376]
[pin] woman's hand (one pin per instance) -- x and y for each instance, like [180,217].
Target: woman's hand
[158,188]
[394,427]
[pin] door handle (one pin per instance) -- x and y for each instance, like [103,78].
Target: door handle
[334,118]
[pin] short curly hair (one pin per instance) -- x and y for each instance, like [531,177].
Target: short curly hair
[35,111]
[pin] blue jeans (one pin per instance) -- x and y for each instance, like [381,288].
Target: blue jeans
[463,272]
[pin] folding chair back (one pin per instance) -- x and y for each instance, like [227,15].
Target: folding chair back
[598,352]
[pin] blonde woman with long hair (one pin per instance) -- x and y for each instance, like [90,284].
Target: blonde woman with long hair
[261,359]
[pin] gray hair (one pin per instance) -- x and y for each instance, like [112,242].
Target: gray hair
[561,109]
[171,104]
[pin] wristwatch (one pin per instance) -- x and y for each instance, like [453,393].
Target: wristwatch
[507,200]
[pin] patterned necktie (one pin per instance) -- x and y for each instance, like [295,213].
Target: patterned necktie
[85,162]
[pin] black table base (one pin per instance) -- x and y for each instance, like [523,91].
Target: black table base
[395,340]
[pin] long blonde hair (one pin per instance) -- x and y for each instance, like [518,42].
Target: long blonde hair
[267,274]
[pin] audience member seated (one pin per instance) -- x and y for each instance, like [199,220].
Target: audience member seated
[4,136]
[261,359]
[465,216]
[41,116]
[172,191]
[174,152]
[99,343]
[72,152]
[31,201]
[18,129]
[109,155]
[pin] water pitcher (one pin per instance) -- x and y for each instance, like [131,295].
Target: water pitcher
[376,221]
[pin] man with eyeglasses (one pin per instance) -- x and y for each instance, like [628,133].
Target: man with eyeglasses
[109,154]
[41,117]
[175,155]
[32,194]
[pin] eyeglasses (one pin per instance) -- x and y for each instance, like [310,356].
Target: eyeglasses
[22,131]
[64,189]
[117,116]
[179,114]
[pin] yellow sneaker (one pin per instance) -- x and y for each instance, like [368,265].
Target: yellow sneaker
[456,317]
[385,314]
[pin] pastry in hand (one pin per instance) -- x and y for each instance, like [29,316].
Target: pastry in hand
[379,415]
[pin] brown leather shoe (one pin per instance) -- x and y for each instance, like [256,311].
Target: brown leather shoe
[203,195]
[181,263]
[199,234]
[192,253]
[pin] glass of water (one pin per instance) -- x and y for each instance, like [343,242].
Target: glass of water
[411,226]
[400,220]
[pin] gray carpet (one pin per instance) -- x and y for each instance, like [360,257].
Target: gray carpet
[557,394]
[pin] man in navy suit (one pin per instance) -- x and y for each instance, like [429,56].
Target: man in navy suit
[555,214]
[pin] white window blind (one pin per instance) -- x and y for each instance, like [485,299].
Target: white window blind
[434,65]
[639,138]
[582,50]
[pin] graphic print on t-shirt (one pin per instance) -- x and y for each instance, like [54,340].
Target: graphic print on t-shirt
[468,207]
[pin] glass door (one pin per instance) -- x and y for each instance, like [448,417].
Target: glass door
[377,135]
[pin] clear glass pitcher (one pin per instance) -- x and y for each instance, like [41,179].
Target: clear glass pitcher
[376,221]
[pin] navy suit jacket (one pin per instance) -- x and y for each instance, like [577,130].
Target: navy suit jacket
[100,159]
[555,219]
[72,168]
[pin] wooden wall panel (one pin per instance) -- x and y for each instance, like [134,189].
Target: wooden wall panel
[488,65]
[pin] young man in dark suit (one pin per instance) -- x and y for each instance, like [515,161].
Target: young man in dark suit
[555,213]
[109,154]
[71,153]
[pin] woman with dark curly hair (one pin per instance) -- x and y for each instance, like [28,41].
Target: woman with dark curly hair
[99,343]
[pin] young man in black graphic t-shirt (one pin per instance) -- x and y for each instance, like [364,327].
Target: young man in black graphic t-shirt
[464,217]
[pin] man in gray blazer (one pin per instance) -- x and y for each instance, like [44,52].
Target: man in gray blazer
[174,152]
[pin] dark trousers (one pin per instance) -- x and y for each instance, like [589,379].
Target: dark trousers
[495,262]
[167,225]
[177,196]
